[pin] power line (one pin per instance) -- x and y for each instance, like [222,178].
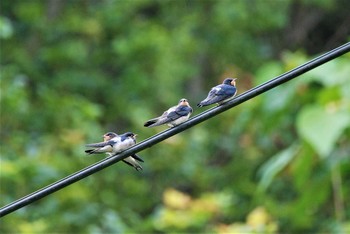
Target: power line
[60,184]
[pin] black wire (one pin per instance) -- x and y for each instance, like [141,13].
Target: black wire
[26,200]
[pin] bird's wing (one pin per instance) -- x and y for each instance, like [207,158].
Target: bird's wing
[105,143]
[100,150]
[220,93]
[179,112]
[98,145]
[184,110]
[159,120]
[227,90]
[102,147]
[214,92]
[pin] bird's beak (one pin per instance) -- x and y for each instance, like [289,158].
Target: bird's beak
[233,82]
[184,102]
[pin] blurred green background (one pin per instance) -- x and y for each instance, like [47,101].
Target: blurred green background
[73,70]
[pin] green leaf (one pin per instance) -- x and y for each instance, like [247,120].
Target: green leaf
[338,69]
[274,165]
[321,128]
[6,28]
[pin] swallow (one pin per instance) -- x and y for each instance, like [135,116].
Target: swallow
[113,144]
[221,93]
[173,116]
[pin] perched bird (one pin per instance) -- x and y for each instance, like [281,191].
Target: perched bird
[131,160]
[113,144]
[221,93]
[173,116]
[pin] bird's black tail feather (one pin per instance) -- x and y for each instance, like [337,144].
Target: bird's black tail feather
[93,151]
[150,122]
[135,156]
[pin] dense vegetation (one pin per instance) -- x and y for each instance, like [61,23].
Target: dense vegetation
[73,70]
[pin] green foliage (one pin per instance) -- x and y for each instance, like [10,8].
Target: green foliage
[322,128]
[73,70]
[275,165]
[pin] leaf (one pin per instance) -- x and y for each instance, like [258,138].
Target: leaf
[321,128]
[274,165]
[6,28]
[338,69]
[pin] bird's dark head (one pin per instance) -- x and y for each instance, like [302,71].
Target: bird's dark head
[230,81]
[184,102]
[109,135]
[130,134]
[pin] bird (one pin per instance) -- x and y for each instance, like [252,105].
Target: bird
[131,160]
[113,144]
[173,116]
[221,93]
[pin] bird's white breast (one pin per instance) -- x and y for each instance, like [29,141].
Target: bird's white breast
[123,145]
[179,120]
